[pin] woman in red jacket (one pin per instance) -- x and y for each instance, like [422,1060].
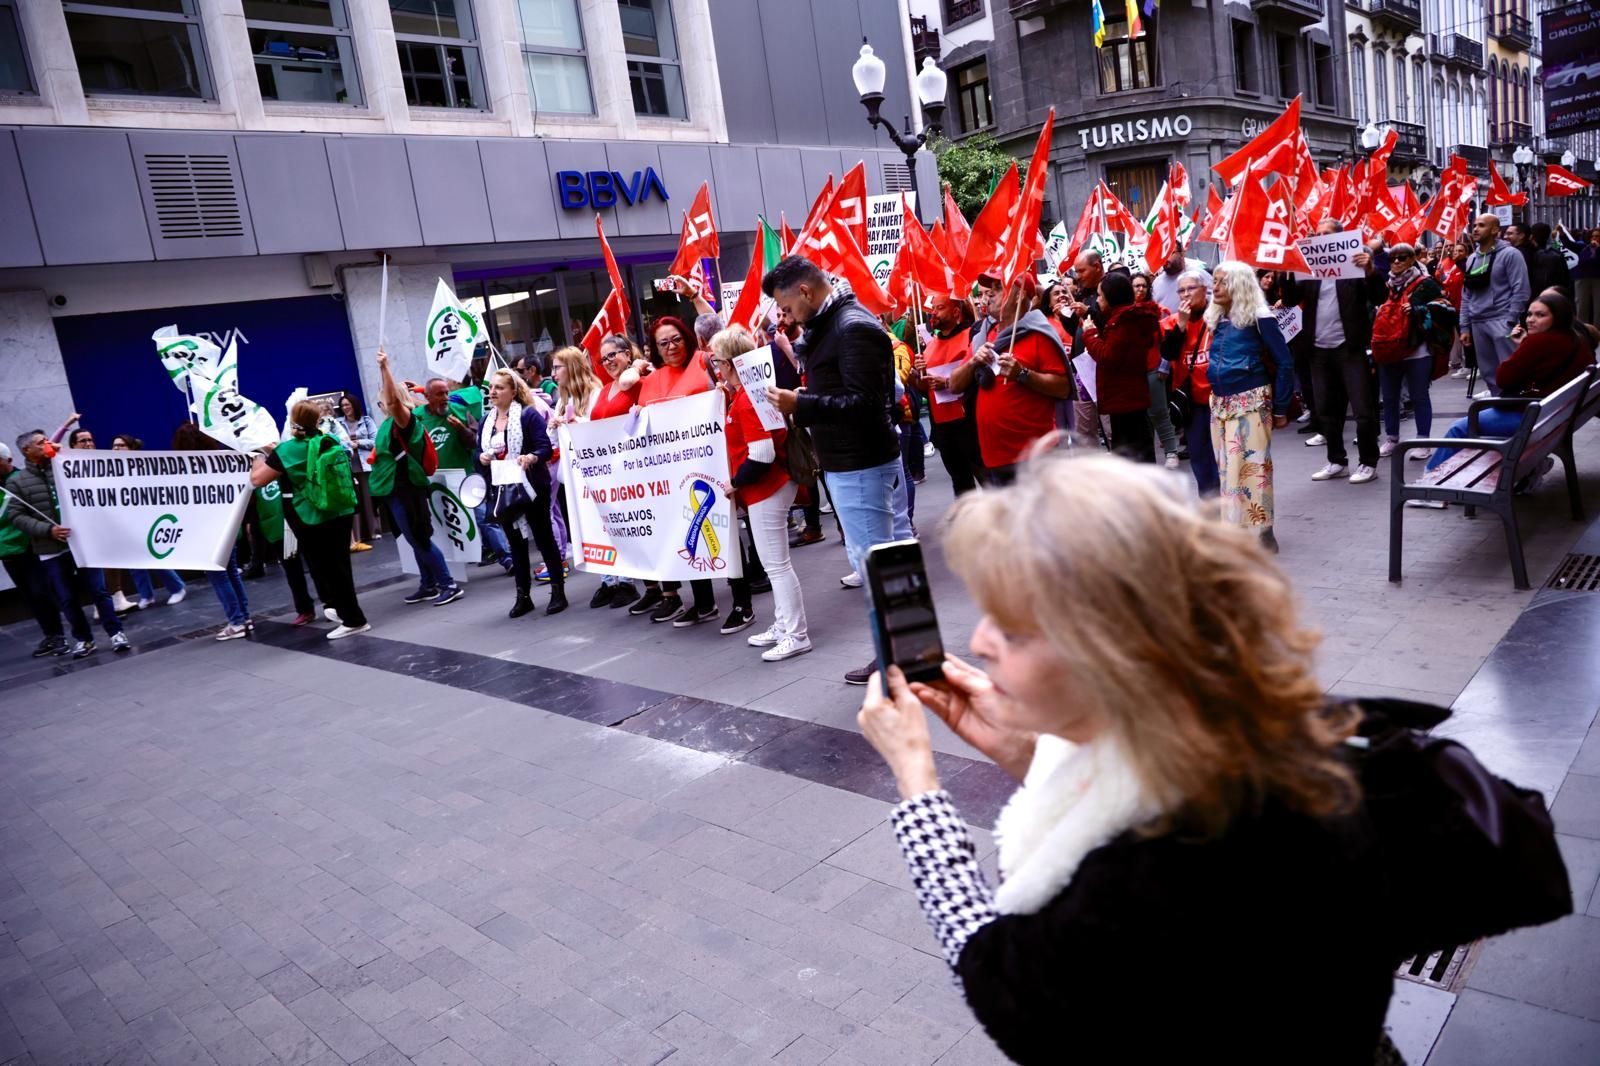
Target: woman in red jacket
[1121,352]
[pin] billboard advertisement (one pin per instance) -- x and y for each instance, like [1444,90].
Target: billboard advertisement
[1572,68]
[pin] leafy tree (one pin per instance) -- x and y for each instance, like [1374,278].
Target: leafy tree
[972,167]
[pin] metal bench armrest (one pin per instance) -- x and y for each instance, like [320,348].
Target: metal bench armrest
[1495,403]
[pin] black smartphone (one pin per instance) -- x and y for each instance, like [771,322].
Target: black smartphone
[907,630]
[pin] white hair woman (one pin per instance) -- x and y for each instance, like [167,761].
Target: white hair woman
[1183,801]
[1252,381]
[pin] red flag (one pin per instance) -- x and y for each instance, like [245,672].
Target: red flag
[818,206]
[956,230]
[788,238]
[749,302]
[1500,194]
[991,234]
[614,313]
[697,241]
[1273,149]
[831,247]
[849,206]
[919,268]
[1358,192]
[1443,214]
[1168,219]
[940,241]
[1559,181]
[1023,250]
[1213,215]
[1261,234]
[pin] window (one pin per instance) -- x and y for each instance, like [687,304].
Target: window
[1478,121]
[1380,84]
[958,11]
[14,76]
[1401,110]
[972,96]
[1322,71]
[1494,99]
[1129,63]
[139,48]
[552,52]
[1439,138]
[1358,82]
[304,51]
[1288,66]
[1137,184]
[652,51]
[1452,116]
[1245,78]
[1527,96]
[438,49]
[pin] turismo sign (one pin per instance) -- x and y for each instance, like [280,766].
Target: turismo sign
[1136,131]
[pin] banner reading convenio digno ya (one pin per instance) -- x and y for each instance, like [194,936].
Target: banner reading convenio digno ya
[648,497]
[143,510]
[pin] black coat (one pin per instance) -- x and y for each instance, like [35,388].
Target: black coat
[1264,945]
[848,401]
[1358,300]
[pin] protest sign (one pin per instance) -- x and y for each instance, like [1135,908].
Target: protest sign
[1332,255]
[147,510]
[755,374]
[885,218]
[226,415]
[451,337]
[649,497]
[455,528]
[1291,320]
[1085,367]
[181,353]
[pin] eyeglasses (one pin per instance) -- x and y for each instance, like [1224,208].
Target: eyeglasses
[670,342]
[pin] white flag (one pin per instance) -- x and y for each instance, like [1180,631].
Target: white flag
[451,337]
[226,416]
[1055,246]
[181,353]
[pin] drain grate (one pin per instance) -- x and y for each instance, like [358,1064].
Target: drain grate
[1577,573]
[1446,969]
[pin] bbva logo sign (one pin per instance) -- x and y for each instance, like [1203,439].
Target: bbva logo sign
[603,188]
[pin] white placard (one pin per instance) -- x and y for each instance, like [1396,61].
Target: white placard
[149,510]
[1291,320]
[755,374]
[649,497]
[505,472]
[885,220]
[1084,365]
[1332,255]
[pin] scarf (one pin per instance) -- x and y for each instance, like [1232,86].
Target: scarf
[1399,283]
[513,431]
[1074,799]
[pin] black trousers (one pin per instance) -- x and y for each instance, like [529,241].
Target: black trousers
[544,537]
[296,565]
[29,577]
[957,442]
[326,548]
[1308,388]
[1342,376]
[1131,436]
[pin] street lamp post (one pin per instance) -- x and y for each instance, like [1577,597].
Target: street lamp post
[869,75]
[1522,159]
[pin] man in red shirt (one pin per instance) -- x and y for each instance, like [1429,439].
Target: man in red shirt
[1030,375]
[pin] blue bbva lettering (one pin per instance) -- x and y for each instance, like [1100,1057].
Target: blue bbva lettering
[602,188]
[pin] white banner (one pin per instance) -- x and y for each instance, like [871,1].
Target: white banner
[755,374]
[451,337]
[181,353]
[648,497]
[1332,255]
[146,510]
[455,528]
[885,220]
[224,414]
[1291,320]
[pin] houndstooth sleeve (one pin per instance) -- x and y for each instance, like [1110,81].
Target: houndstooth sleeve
[944,869]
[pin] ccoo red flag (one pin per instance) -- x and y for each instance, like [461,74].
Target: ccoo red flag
[1261,229]
[920,270]
[614,313]
[1273,149]
[697,241]
[1024,247]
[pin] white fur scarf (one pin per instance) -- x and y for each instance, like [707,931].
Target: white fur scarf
[1074,799]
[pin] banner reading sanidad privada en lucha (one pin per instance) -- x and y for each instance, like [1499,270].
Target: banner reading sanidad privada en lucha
[144,510]
[648,496]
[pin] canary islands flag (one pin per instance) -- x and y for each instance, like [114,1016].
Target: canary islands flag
[1099,24]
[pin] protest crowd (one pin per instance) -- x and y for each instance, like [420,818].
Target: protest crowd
[1330,303]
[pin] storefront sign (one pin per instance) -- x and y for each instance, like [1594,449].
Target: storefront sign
[648,496]
[142,510]
[603,188]
[1137,131]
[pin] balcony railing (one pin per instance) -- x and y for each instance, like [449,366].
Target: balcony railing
[1411,144]
[1516,30]
[1514,134]
[924,40]
[1405,15]
[1021,9]
[1454,48]
[1476,156]
[1302,12]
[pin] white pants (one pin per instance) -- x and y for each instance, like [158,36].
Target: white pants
[769,528]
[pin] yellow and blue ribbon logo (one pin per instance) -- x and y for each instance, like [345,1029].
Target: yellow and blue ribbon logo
[700,524]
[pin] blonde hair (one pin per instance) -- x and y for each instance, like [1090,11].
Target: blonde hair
[1246,304]
[731,342]
[579,384]
[519,388]
[1172,629]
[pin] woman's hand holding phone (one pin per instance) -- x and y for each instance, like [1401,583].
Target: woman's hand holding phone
[970,705]
[891,719]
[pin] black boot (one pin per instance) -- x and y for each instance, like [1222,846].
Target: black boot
[523,605]
[558,598]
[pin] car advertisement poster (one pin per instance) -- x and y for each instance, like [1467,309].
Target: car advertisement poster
[1572,68]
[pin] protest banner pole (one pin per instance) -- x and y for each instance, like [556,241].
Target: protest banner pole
[383,302]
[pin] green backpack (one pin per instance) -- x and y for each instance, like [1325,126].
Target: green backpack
[330,487]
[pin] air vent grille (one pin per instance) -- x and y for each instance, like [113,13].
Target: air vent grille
[896,178]
[195,196]
[1577,573]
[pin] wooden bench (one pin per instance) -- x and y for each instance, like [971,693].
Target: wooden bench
[1485,471]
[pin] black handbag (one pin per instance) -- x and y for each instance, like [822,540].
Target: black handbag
[1467,854]
[1180,400]
[509,499]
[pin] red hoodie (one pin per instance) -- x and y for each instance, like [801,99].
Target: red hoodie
[1121,354]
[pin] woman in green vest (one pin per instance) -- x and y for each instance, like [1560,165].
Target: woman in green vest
[318,467]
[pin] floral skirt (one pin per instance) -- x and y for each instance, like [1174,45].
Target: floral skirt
[1241,436]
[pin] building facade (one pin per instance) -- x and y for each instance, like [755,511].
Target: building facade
[242,168]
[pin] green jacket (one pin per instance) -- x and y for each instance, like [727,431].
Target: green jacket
[35,486]
[293,457]
[380,482]
[454,447]
[13,541]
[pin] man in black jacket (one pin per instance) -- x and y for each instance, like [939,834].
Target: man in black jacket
[1336,326]
[847,402]
[1551,265]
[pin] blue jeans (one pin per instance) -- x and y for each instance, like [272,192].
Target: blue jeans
[1497,424]
[1202,459]
[494,538]
[143,581]
[229,587]
[866,502]
[430,560]
[68,584]
[1415,375]
[908,504]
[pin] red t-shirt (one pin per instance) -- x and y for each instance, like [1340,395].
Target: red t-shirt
[1012,416]
[942,352]
[669,383]
[613,401]
[744,426]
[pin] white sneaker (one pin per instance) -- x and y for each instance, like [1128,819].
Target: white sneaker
[1434,505]
[177,597]
[765,639]
[1316,440]
[331,615]
[348,631]
[1305,416]
[1332,470]
[121,602]
[231,632]
[852,580]
[145,605]
[1172,460]
[1459,373]
[1363,475]
[825,507]
[1419,454]
[1482,394]
[787,648]
[929,451]
[1387,448]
